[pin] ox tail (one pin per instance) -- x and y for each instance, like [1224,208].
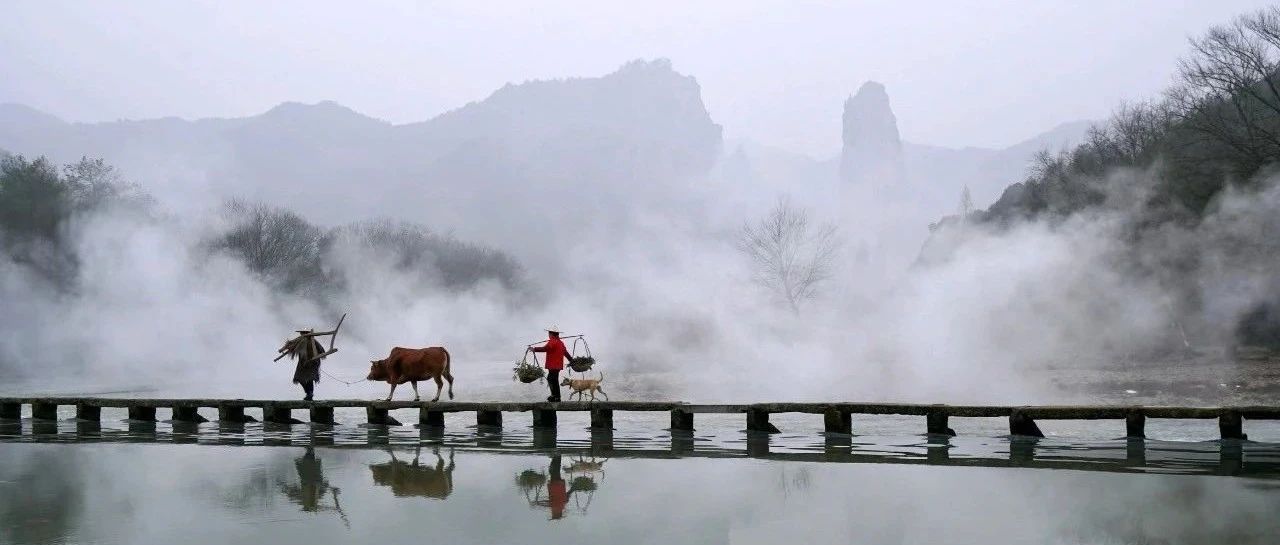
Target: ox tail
[448,375]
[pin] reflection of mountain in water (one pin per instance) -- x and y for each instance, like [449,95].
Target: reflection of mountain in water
[414,479]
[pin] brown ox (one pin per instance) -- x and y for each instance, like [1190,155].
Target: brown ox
[412,479]
[412,365]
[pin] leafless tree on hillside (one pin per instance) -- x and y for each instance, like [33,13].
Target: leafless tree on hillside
[274,242]
[1229,90]
[966,203]
[790,256]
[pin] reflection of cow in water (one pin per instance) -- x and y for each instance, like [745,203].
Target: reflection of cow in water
[412,479]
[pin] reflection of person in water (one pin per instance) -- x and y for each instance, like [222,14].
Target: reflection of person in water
[557,494]
[558,490]
[312,486]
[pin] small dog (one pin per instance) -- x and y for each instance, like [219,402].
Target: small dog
[580,385]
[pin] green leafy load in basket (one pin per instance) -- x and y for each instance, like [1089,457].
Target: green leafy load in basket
[582,363]
[526,372]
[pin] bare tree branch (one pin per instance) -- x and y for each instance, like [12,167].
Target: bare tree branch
[789,256]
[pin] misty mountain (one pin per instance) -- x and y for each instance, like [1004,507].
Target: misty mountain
[1186,185]
[986,172]
[872,151]
[874,157]
[534,159]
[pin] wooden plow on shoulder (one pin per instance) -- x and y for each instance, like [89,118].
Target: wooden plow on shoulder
[306,348]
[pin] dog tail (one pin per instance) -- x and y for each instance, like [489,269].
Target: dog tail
[601,379]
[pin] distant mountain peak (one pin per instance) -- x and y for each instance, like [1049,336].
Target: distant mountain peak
[872,149]
[660,64]
[870,90]
[325,109]
[14,113]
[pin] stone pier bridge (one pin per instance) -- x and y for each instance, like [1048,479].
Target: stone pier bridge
[837,417]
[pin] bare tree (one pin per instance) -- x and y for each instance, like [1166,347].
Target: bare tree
[1228,90]
[966,203]
[275,243]
[790,256]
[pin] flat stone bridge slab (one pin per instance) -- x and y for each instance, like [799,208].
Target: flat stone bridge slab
[837,416]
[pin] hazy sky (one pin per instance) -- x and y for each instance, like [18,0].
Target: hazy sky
[958,73]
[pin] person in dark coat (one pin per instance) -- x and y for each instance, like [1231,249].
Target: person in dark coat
[307,372]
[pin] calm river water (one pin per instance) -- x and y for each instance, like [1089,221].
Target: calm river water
[134,483]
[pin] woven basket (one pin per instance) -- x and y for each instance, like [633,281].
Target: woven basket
[526,373]
[581,364]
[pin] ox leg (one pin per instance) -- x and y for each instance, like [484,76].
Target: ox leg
[439,387]
[415,390]
[393,391]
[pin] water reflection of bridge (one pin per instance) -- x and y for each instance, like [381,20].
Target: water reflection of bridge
[1132,455]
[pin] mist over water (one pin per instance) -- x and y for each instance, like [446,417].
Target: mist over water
[663,295]
[733,203]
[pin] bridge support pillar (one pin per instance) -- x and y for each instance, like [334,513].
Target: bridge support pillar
[41,426]
[489,418]
[681,420]
[321,415]
[757,445]
[544,418]
[10,411]
[601,440]
[1135,424]
[758,420]
[233,414]
[230,432]
[278,415]
[89,413]
[1231,425]
[1021,424]
[544,438]
[602,419]
[430,419]
[188,414]
[88,427]
[1135,451]
[44,411]
[940,453]
[1230,458]
[837,421]
[936,424]
[681,442]
[142,414]
[380,417]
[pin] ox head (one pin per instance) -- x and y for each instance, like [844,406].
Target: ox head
[377,370]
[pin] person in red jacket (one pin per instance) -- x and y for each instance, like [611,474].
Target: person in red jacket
[556,352]
[557,495]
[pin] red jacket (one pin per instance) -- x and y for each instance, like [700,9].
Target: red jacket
[559,497]
[556,353]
